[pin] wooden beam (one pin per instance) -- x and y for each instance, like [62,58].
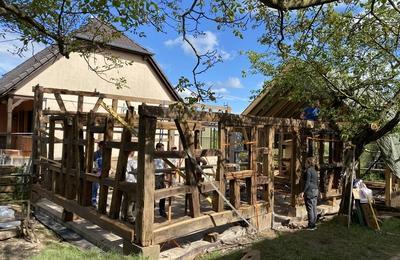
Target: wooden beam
[105,171]
[218,201]
[239,175]
[268,165]
[17,103]
[9,121]
[188,226]
[97,105]
[121,168]
[60,102]
[145,181]
[91,215]
[227,119]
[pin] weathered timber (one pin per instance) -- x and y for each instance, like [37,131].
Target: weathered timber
[121,167]
[234,189]
[60,102]
[239,174]
[218,201]
[96,218]
[145,182]
[106,158]
[184,227]
[227,119]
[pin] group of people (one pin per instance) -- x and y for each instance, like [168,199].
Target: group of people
[128,210]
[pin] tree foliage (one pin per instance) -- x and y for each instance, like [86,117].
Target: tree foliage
[348,58]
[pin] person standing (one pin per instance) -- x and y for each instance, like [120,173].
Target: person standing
[160,179]
[311,193]
[128,205]
[98,164]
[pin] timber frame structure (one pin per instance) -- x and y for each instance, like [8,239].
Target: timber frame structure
[68,181]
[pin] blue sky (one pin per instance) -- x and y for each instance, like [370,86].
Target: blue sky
[176,59]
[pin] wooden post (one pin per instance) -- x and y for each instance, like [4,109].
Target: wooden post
[268,164]
[322,173]
[106,161]
[218,201]
[234,193]
[37,124]
[50,177]
[87,185]
[121,167]
[78,154]
[280,150]
[251,183]
[295,165]
[145,180]
[388,186]
[188,143]
[9,121]
[68,182]
[171,139]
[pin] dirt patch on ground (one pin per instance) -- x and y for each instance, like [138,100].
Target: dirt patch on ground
[20,248]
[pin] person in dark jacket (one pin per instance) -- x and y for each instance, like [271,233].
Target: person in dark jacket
[311,192]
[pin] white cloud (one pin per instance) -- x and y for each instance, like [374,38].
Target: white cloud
[234,98]
[231,82]
[203,43]
[220,90]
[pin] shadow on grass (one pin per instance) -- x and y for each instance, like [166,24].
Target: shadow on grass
[332,240]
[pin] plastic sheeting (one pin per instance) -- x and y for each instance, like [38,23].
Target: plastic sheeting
[390,149]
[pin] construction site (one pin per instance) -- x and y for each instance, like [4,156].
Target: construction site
[253,176]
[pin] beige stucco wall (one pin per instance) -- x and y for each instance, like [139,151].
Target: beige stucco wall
[74,74]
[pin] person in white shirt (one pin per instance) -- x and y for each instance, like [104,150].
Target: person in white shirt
[160,179]
[128,211]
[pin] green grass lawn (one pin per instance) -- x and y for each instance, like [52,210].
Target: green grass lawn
[64,251]
[332,240]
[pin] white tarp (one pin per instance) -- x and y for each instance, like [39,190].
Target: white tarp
[390,149]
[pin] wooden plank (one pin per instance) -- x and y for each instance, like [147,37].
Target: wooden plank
[106,160]
[192,225]
[145,181]
[91,215]
[218,201]
[121,167]
[239,174]
[170,192]
[60,102]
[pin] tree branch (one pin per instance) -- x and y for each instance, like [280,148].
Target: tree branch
[286,5]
